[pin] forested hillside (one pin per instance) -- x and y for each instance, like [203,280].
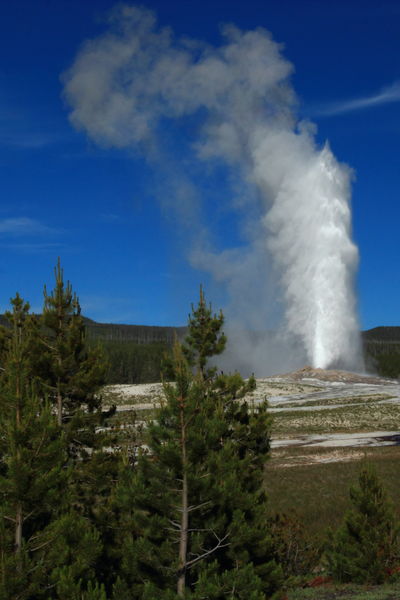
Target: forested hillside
[382,350]
[134,352]
[138,334]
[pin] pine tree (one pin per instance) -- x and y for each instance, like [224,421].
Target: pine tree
[32,455]
[204,338]
[48,546]
[193,509]
[72,373]
[367,544]
[71,553]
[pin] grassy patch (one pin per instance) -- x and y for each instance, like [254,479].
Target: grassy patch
[363,417]
[347,592]
[330,401]
[122,398]
[126,416]
[318,493]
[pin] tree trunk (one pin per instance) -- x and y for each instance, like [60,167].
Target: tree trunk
[59,409]
[183,539]
[59,404]
[18,529]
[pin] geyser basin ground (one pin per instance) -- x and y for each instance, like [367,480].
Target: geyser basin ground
[329,413]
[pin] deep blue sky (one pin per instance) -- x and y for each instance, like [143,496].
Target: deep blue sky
[62,195]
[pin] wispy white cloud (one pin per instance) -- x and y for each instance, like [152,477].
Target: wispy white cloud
[33,247]
[22,226]
[22,129]
[385,96]
[110,217]
[28,236]
[27,140]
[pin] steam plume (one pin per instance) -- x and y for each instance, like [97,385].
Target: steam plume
[125,84]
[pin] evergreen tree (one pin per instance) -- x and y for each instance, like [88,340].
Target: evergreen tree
[205,338]
[72,374]
[193,509]
[367,544]
[32,455]
[71,554]
[50,546]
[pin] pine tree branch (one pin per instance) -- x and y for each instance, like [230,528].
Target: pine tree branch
[174,524]
[9,519]
[220,544]
[40,444]
[43,545]
[192,508]
[46,343]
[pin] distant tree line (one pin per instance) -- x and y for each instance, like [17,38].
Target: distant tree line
[134,353]
[128,362]
[131,361]
[382,351]
[139,334]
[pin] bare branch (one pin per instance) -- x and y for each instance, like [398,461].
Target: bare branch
[174,523]
[220,544]
[192,508]
[9,519]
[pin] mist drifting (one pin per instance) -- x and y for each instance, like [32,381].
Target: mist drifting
[127,82]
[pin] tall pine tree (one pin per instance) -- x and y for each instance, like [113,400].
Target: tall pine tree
[50,546]
[32,474]
[193,509]
[72,373]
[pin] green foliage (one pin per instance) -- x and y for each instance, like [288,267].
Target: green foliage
[73,549]
[19,346]
[388,591]
[32,468]
[129,362]
[388,365]
[204,338]
[20,576]
[367,544]
[68,589]
[180,511]
[382,351]
[30,443]
[47,548]
[241,584]
[71,373]
[205,462]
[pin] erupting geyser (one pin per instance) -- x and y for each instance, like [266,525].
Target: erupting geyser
[126,83]
[309,224]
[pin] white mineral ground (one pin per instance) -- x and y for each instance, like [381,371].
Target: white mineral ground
[296,390]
